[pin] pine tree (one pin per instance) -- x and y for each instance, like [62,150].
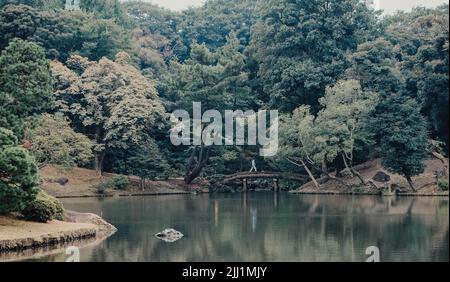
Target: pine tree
[25,84]
[18,174]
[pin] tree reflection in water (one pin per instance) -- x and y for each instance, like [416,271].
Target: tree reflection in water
[270,227]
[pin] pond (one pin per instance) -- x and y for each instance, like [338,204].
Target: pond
[260,227]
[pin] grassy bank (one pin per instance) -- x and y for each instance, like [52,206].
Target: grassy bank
[425,183]
[83,182]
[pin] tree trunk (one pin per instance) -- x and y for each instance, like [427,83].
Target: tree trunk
[353,171]
[99,155]
[142,184]
[192,174]
[410,182]
[324,167]
[339,167]
[310,175]
[307,171]
[99,158]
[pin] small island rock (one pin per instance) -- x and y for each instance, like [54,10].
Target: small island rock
[169,235]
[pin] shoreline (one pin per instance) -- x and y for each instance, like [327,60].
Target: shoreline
[125,195]
[442,194]
[41,234]
[23,239]
[81,183]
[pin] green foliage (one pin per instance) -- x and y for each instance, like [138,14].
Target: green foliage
[301,46]
[211,24]
[324,64]
[423,40]
[402,135]
[110,101]
[44,208]
[7,138]
[146,161]
[442,184]
[336,130]
[25,84]
[53,141]
[32,3]
[51,31]
[102,187]
[62,33]
[102,38]
[118,182]
[18,175]
[374,65]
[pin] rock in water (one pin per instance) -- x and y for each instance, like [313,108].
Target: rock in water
[169,235]
[381,177]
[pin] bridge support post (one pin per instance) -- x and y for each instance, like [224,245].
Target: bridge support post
[276,187]
[244,185]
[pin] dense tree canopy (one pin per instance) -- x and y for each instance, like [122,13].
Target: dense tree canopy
[110,101]
[350,85]
[301,46]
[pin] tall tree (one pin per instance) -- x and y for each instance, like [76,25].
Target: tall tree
[422,40]
[336,131]
[111,101]
[25,84]
[234,75]
[402,135]
[340,125]
[200,77]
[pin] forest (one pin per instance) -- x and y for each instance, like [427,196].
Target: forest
[94,87]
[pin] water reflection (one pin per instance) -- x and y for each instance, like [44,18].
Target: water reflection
[269,227]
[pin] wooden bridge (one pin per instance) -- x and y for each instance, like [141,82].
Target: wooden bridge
[275,176]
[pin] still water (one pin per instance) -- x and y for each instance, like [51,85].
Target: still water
[269,227]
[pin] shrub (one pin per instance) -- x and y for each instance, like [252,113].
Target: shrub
[19,178]
[102,186]
[443,185]
[43,209]
[120,182]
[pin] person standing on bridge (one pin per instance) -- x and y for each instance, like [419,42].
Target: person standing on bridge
[253,169]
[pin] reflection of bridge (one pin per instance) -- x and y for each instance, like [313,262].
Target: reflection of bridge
[275,176]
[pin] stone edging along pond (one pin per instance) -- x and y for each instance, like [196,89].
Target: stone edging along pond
[78,226]
[46,240]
